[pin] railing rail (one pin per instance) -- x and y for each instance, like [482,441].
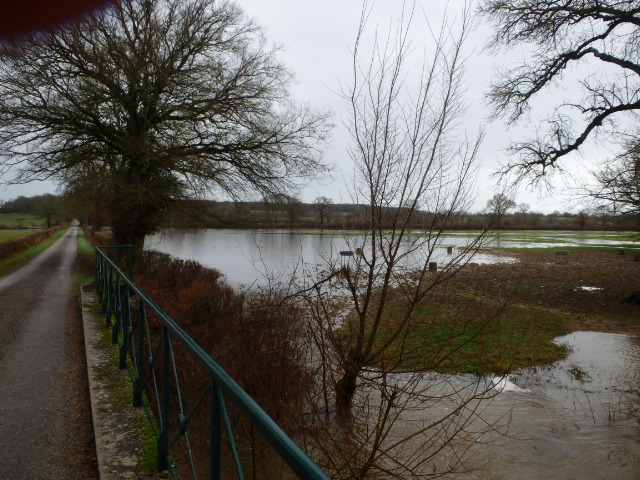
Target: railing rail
[122,300]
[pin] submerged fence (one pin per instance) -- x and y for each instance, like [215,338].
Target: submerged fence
[193,405]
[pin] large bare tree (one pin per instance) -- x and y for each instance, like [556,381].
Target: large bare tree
[158,99]
[601,38]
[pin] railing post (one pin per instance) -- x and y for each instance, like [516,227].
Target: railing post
[215,431]
[117,311]
[98,277]
[131,261]
[108,298]
[137,386]
[125,327]
[163,438]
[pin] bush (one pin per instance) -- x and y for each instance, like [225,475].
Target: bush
[18,245]
[255,337]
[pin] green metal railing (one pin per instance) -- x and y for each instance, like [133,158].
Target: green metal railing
[150,344]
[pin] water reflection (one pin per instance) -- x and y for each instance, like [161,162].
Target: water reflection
[247,257]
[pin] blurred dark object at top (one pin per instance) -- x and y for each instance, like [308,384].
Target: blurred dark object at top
[19,17]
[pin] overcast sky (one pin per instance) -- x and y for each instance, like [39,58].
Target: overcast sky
[315,40]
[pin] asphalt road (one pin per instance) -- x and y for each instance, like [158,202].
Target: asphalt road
[35,384]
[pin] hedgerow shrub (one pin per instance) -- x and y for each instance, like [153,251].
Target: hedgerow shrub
[18,245]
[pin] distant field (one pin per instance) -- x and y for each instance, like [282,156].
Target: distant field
[6,235]
[22,219]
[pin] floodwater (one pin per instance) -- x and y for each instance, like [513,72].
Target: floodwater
[576,419]
[560,239]
[249,257]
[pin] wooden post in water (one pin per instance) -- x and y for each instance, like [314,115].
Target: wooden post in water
[449,250]
[433,267]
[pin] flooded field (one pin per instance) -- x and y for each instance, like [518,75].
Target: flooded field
[562,239]
[577,418]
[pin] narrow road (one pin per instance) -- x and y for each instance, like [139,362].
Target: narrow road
[43,410]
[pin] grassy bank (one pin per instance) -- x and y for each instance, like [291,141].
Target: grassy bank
[500,317]
[13,262]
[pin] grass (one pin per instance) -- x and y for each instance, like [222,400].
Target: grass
[501,317]
[86,261]
[6,235]
[9,264]
[462,335]
[22,219]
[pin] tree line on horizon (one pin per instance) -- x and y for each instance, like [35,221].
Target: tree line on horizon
[290,212]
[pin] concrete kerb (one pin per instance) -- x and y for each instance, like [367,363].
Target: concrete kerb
[117,444]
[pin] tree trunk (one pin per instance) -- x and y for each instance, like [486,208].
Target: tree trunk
[122,256]
[138,249]
[346,386]
[345,390]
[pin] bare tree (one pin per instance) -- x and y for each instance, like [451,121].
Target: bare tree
[407,158]
[600,36]
[322,205]
[165,98]
[523,210]
[293,207]
[499,205]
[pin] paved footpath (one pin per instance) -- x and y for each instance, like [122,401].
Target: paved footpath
[35,387]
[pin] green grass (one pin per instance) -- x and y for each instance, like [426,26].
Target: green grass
[9,264]
[23,219]
[6,235]
[86,261]
[487,338]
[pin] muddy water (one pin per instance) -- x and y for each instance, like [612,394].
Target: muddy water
[577,419]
